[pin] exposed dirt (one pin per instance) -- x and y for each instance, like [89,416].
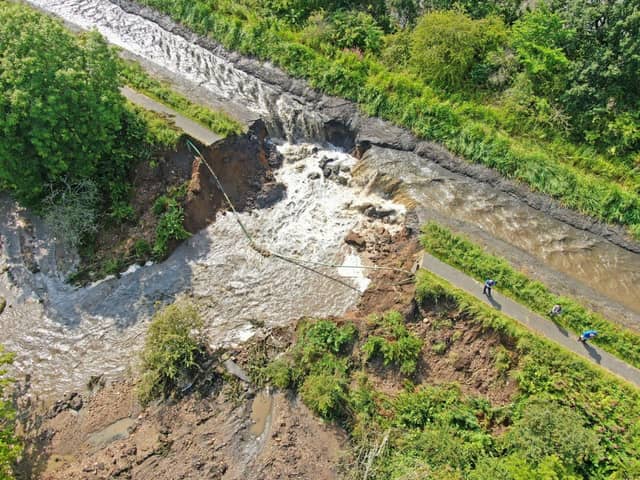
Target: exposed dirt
[231,431]
[244,165]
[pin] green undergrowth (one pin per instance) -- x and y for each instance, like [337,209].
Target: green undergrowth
[605,186]
[567,420]
[170,228]
[217,121]
[473,260]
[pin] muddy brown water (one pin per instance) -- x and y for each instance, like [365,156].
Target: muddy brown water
[77,333]
[261,411]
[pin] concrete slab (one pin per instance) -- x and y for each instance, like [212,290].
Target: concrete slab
[188,126]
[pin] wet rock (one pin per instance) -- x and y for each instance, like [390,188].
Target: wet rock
[76,402]
[344,168]
[379,213]
[234,369]
[327,171]
[3,304]
[342,180]
[270,194]
[71,401]
[324,161]
[356,240]
[314,175]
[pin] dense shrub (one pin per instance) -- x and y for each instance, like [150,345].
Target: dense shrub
[447,45]
[394,344]
[172,352]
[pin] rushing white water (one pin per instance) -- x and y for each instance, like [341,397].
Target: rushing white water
[62,335]
[282,112]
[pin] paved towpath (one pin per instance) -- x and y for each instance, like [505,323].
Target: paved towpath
[533,321]
[191,128]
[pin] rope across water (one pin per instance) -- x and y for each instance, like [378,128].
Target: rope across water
[265,252]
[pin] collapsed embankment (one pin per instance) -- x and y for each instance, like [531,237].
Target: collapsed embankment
[347,127]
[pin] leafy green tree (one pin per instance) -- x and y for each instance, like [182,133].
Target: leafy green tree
[540,40]
[60,107]
[448,44]
[604,93]
[10,447]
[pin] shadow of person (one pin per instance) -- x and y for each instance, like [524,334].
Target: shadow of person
[494,303]
[593,353]
[563,331]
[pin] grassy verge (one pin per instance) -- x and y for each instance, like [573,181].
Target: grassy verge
[568,418]
[218,122]
[579,179]
[473,260]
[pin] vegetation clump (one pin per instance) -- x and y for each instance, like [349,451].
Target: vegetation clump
[10,446]
[173,351]
[396,345]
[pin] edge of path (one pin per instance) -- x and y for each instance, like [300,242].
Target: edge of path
[533,321]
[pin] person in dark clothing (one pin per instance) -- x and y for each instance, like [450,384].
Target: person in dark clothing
[487,287]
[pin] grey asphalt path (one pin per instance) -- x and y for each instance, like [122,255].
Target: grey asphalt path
[191,128]
[533,321]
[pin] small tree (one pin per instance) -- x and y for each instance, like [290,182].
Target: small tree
[71,211]
[60,109]
[446,46]
[172,352]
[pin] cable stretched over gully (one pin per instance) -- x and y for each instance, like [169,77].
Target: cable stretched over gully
[265,252]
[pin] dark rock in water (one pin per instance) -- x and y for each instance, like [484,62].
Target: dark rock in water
[71,401]
[345,168]
[342,180]
[3,304]
[356,240]
[327,171]
[274,158]
[270,194]
[375,212]
[324,161]
[314,175]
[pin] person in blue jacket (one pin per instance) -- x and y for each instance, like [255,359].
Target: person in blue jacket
[588,335]
[487,287]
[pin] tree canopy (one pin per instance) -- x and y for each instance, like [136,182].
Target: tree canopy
[60,108]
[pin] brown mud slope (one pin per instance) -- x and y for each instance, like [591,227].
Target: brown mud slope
[233,431]
[244,164]
[211,437]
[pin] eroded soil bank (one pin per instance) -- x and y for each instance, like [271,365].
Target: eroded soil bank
[232,429]
[244,164]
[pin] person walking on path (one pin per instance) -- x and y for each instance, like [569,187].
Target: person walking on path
[487,287]
[588,335]
[556,310]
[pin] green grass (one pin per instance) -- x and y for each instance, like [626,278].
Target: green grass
[604,187]
[474,261]
[219,122]
[568,418]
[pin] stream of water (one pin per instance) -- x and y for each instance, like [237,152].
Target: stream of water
[63,335]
